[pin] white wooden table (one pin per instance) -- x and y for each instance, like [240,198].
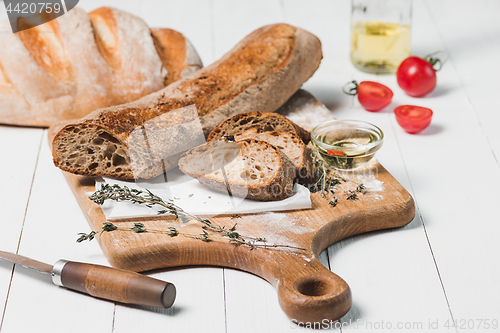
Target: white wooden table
[442,267]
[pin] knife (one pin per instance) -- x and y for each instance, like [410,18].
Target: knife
[102,282]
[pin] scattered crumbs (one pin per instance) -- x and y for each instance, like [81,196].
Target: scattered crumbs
[176,198]
[190,195]
[204,202]
[209,197]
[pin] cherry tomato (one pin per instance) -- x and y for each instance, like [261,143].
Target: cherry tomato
[413,119]
[417,76]
[373,96]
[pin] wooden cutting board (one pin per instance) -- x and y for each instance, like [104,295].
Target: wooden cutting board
[307,291]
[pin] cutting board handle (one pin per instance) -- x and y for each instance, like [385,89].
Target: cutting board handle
[312,293]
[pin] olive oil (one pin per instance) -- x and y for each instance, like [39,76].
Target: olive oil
[347,150]
[379,47]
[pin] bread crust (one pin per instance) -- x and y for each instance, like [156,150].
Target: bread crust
[278,188]
[63,70]
[226,127]
[266,92]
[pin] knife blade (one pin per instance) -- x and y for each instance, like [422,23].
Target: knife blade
[103,282]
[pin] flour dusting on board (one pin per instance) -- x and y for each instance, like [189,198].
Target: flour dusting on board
[279,222]
[281,227]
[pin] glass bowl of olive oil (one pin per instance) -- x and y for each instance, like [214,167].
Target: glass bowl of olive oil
[347,144]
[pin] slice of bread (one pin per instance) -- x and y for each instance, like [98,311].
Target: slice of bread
[266,122]
[249,168]
[289,143]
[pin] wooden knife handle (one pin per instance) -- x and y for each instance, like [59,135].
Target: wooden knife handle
[114,284]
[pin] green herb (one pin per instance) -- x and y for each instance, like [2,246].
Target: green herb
[235,217]
[118,193]
[328,181]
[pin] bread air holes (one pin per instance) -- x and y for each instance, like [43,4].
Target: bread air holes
[119,160]
[108,153]
[98,141]
[93,166]
[108,137]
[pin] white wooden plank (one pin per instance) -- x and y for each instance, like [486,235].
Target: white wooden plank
[18,150]
[52,222]
[199,306]
[460,204]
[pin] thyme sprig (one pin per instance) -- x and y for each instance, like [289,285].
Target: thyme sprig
[328,181]
[117,193]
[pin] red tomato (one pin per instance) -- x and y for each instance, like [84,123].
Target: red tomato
[413,118]
[416,76]
[373,96]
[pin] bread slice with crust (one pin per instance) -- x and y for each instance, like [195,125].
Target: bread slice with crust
[248,168]
[289,143]
[265,122]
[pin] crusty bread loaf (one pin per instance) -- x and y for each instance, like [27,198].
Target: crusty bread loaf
[288,143]
[260,73]
[248,168]
[265,122]
[79,62]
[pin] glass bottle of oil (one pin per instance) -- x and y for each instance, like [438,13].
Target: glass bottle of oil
[380,34]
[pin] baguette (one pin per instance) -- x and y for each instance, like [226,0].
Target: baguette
[248,168]
[261,72]
[263,121]
[79,62]
[288,143]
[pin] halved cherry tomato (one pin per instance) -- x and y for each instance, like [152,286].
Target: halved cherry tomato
[417,76]
[413,119]
[373,96]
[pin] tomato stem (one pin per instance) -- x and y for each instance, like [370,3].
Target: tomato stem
[434,61]
[353,90]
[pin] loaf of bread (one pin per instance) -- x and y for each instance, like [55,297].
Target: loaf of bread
[260,73]
[80,62]
[288,143]
[264,122]
[248,168]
